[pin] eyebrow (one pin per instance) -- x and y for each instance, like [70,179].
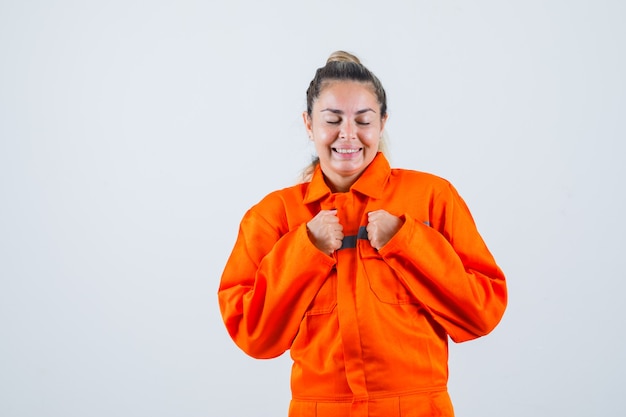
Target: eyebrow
[337,111]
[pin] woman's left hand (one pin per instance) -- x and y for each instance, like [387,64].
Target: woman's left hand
[381,227]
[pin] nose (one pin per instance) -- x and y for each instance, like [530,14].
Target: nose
[348,130]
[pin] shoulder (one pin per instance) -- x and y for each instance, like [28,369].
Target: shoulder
[282,197]
[413,178]
[274,214]
[273,206]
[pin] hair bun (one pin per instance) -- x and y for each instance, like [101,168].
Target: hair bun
[342,56]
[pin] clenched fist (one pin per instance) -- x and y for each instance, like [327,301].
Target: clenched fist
[325,231]
[381,227]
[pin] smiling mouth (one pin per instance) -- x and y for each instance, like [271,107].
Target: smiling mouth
[345,151]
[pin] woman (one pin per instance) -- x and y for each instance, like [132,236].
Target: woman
[363,271]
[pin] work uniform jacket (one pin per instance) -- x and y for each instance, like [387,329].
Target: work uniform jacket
[367,329]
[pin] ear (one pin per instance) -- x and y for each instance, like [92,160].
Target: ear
[307,124]
[383,121]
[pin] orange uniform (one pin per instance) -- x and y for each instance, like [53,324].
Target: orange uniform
[367,329]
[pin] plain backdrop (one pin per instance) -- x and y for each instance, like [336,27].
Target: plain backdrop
[135,134]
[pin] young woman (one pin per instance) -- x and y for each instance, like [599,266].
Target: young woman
[361,271]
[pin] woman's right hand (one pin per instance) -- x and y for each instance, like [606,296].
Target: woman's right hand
[325,231]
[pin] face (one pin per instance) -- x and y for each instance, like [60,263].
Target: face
[345,125]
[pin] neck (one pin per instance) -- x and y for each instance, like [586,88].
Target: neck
[341,184]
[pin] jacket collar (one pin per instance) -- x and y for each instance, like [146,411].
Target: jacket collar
[370,183]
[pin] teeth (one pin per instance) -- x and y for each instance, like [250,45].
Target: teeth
[346,150]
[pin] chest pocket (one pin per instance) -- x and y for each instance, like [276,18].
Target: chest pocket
[383,281]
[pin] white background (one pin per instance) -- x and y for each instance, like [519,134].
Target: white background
[135,134]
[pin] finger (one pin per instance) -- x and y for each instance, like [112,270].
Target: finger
[331,218]
[372,236]
[334,229]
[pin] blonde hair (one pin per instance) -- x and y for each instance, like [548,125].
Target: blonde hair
[343,66]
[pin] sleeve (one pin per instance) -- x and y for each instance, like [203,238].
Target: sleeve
[267,285]
[448,268]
